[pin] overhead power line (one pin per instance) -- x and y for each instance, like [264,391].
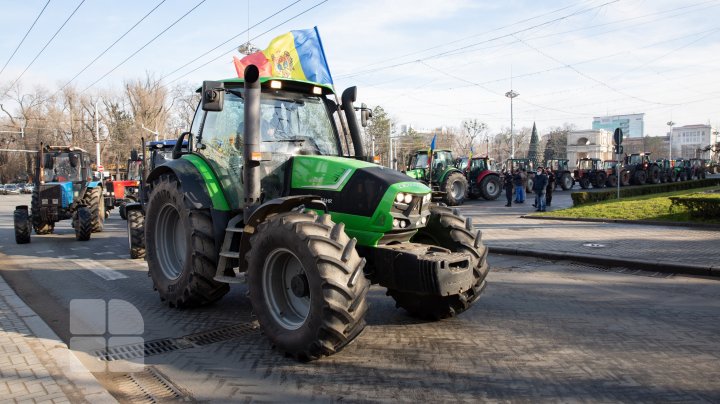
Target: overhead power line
[46,45]
[144,46]
[111,45]
[25,36]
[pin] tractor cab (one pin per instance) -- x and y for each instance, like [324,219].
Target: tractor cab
[446,178]
[64,172]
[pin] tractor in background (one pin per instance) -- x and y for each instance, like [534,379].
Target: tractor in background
[121,192]
[642,169]
[563,177]
[265,197]
[63,190]
[611,172]
[524,165]
[448,183]
[590,171]
[483,180]
[697,169]
[667,171]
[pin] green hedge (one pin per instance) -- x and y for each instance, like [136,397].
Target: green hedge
[702,206]
[583,197]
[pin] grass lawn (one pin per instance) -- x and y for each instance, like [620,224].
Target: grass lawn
[647,207]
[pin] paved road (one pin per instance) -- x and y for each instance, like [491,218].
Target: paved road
[543,330]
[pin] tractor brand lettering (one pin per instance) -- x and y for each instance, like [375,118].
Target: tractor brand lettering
[328,201]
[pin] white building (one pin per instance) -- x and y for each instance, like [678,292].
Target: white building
[689,141]
[632,125]
[589,143]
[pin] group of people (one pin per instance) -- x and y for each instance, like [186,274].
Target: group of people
[543,186]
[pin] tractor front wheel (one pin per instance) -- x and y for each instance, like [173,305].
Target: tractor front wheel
[136,233]
[640,177]
[447,229]
[624,178]
[83,223]
[584,183]
[306,284]
[22,224]
[566,181]
[490,187]
[612,181]
[455,189]
[181,251]
[600,180]
[653,175]
[40,226]
[96,204]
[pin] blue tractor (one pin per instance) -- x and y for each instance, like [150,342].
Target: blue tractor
[64,189]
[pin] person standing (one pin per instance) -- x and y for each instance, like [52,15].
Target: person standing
[508,185]
[550,186]
[539,185]
[519,187]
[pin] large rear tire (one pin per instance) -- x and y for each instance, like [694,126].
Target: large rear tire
[21,221]
[600,180]
[455,189]
[490,187]
[640,177]
[306,284]
[446,228]
[136,233]
[82,222]
[181,253]
[584,183]
[566,181]
[40,226]
[96,204]
[653,175]
[612,181]
[624,178]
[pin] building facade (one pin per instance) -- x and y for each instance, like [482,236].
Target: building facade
[689,141]
[632,125]
[593,143]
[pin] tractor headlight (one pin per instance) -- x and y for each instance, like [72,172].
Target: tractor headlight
[396,223]
[426,199]
[399,197]
[408,198]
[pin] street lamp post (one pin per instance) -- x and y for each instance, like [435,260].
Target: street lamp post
[512,94]
[670,125]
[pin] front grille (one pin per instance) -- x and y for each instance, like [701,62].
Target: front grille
[50,195]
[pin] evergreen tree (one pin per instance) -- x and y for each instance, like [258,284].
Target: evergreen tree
[533,154]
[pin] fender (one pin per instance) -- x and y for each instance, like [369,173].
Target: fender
[199,182]
[485,174]
[272,207]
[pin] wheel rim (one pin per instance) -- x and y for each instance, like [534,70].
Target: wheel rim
[170,243]
[457,190]
[286,289]
[491,188]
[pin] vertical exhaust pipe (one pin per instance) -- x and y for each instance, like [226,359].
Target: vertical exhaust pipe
[348,97]
[251,141]
[40,167]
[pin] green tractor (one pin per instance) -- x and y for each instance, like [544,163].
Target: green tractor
[63,190]
[265,196]
[448,182]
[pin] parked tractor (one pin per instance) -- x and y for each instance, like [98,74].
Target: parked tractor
[63,190]
[524,165]
[563,176]
[611,172]
[265,196]
[155,152]
[642,169]
[667,171]
[483,179]
[448,183]
[591,171]
[121,192]
[697,169]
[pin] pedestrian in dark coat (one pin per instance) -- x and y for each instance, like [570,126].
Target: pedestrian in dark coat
[519,182]
[508,185]
[539,185]
[550,187]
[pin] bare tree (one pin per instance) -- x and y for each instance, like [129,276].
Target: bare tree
[472,132]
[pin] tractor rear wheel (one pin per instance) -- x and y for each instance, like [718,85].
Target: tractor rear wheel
[306,284]
[612,181]
[82,222]
[672,177]
[624,178]
[40,226]
[653,175]
[584,183]
[640,177]
[181,253]
[22,224]
[490,187]
[96,204]
[566,181]
[455,189]
[600,180]
[448,229]
[136,233]
[683,176]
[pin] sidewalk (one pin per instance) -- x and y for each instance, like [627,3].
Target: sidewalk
[35,364]
[650,247]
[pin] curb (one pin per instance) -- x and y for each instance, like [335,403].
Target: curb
[69,365]
[624,221]
[649,265]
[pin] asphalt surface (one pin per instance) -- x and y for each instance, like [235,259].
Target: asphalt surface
[543,330]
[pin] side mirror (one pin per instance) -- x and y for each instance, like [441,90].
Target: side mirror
[48,161]
[74,160]
[365,114]
[213,95]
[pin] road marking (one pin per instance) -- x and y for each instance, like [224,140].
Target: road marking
[99,269]
[80,248]
[105,253]
[45,251]
[67,256]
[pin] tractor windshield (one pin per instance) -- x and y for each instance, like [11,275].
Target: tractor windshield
[64,167]
[585,164]
[442,160]
[479,164]
[609,165]
[635,159]
[419,161]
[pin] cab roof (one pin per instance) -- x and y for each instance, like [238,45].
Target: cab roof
[290,84]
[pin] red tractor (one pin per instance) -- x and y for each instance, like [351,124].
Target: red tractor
[121,192]
[590,171]
[483,179]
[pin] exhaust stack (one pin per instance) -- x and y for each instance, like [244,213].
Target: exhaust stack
[348,97]
[251,141]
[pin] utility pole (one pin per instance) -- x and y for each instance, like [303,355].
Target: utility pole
[97,138]
[670,125]
[512,94]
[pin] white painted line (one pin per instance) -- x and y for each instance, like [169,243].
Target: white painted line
[45,251]
[105,253]
[80,248]
[99,269]
[67,256]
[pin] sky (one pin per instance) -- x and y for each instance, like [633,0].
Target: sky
[427,63]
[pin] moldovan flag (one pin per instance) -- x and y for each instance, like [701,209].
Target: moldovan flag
[297,55]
